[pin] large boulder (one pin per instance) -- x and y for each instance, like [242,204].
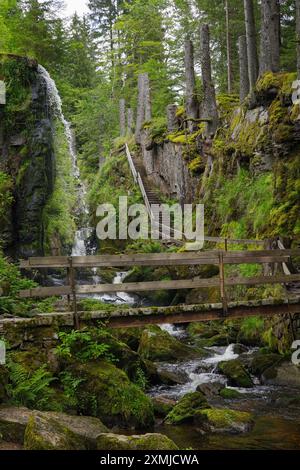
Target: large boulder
[223,420]
[143,442]
[14,422]
[46,433]
[282,373]
[262,362]
[106,392]
[210,389]
[236,373]
[159,345]
[184,411]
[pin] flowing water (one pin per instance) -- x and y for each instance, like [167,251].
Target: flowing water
[277,426]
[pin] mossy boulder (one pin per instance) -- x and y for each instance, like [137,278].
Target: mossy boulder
[106,392]
[143,442]
[46,433]
[261,362]
[236,373]
[223,420]
[162,406]
[14,422]
[159,345]
[184,411]
[230,394]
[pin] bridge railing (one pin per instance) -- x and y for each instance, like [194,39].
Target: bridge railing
[217,258]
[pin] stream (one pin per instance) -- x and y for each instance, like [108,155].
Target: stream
[277,426]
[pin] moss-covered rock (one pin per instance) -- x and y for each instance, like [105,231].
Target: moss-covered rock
[261,362]
[223,420]
[184,411]
[46,433]
[282,373]
[162,406]
[14,422]
[106,392]
[158,345]
[143,442]
[230,394]
[236,373]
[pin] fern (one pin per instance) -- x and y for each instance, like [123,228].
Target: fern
[31,389]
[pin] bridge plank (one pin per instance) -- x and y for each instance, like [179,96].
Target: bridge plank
[157,259]
[157,285]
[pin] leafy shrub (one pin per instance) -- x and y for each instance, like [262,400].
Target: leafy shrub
[82,346]
[31,389]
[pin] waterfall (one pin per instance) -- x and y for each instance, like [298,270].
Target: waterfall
[84,233]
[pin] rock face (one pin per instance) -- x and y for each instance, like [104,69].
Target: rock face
[167,168]
[26,153]
[145,442]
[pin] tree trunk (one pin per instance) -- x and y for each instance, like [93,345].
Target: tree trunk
[298,35]
[172,120]
[228,47]
[270,36]
[140,116]
[251,42]
[129,121]
[122,108]
[147,98]
[209,105]
[244,73]
[190,84]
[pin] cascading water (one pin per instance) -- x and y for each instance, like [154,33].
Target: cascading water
[55,104]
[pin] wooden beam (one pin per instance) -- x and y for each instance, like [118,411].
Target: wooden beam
[162,259]
[201,316]
[194,283]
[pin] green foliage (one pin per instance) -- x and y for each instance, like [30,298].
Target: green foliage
[247,200]
[6,197]
[83,346]
[70,386]
[57,215]
[31,389]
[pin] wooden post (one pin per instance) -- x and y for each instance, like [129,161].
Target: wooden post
[73,288]
[69,282]
[222,283]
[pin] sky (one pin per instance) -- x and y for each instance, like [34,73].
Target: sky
[76,5]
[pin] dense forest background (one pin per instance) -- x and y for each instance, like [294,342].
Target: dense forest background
[96,59]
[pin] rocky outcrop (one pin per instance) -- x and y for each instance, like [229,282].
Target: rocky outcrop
[26,153]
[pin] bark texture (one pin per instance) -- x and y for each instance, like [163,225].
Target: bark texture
[244,73]
[129,121]
[270,36]
[122,110]
[191,99]
[209,104]
[251,42]
[172,120]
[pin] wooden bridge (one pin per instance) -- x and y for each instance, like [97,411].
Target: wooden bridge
[129,317]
